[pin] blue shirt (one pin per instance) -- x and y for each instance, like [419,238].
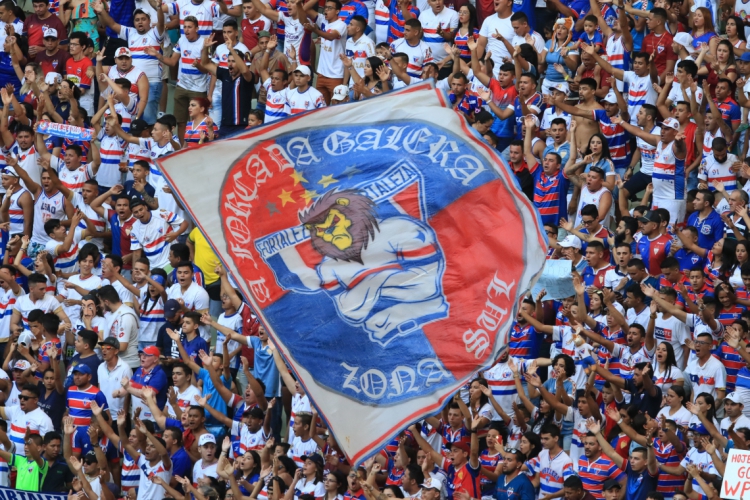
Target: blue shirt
[710,229]
[93,363]
[181,464]
[215,400]
[527,7]
[156,379]
[265,367]
[639,484]
[131,193]
[519,488]
[193,347]
[688,259]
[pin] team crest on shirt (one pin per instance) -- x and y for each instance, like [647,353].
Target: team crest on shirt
[705,229]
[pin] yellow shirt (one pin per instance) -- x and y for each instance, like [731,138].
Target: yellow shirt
[205,258]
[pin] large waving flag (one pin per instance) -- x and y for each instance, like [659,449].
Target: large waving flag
[383,245]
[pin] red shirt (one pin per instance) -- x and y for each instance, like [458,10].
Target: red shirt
[603,76]
[55,63]
[501,96]
[76,71]
[34,28]
[250,31]
[661,45]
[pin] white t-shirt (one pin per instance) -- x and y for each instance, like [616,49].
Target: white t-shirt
[189,77]
[123,325]
[329,62]
[640,92]
[447,19]
[707,378]
[147,488]
[499,52]
[201,471]
[91,283]
[304,101]
[675,332]
[358,51]
[195,298]
[675,94]
[681,417]
[184,400]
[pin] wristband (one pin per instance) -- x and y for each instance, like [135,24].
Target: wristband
[619,421]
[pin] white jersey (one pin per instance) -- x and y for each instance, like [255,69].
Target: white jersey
[123,325]
[15,212]
[707,378]
[146,487]
[138,43]
[496,47]
[329,62]
[640,92]
[99,223]
[304,101]
[24,305]
[151,236]
[185,399]
[190,77]
[195,299]
[7,300]
[669,174]
[90,283]
[711,170]
[419,55]
[708,140]
[447,19]
[589,198]
[35,421]
[703,461]
[46,207]
[294,31]
[672,331]
[200,471]
[615,56]
[300,448]
[277,106]
[681,417]
[358,51]
[205,12]
[675,94]
[27,160]
[72,179]
[234,323]
[648,152]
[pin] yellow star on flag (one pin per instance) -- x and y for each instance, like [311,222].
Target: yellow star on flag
[286,197]
[326,180]
[297,177]
[309,195]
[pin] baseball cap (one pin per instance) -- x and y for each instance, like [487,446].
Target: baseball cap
[122,52]
[611,483]
[699,429]
[206,438]
[151,350]
[304,70]
[26,338]
[314,458]
[263,34]
[670,123]
[52,78]
[650,216]
[22,365]
[158,278]
[685,40]
[171,308]
[340,92]
[745,57]
[10,171]
[90,457]
[461,446]
[81,368]
[433,483]
[135,201]
[562,87]
[49,33]
[111,341]
[254,412]
[571,241]
[611,97]
[735,398]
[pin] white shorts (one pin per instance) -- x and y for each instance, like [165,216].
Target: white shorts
[676,209]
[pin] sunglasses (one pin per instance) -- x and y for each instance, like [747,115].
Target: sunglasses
[26,398]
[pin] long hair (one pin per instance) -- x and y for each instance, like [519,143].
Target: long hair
[529,53]
[483,399]
[536,443]
[375,64]
[26,87]
[731,61]
[740,27]
[708,23]
[728,257]
[605,146]
[671,360]
[709,400]
[473,23]
[681,393]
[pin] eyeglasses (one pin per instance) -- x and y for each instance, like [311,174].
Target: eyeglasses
[26,398]
[71,44]
[107,349]
[587,222]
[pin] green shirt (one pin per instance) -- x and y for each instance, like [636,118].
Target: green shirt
[30,477]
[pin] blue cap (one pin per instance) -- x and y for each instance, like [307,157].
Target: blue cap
[81,368]
[171,308]
[158,278]
[745,57]
[699,429]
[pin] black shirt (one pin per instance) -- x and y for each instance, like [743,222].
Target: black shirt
[58,477]
[645,402]
[53,406]
[168,347]
[236,98]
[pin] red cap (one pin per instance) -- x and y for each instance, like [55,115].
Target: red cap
[461,446]
[151,351]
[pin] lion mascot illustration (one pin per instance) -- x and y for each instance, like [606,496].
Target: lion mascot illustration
[384,275]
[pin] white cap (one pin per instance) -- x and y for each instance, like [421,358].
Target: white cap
[685,40]
[562,87]
[305,70]
[610,97]
[10,171]
[670,123]
[122,52]
[619,307]
[22,364]
[433,483]
[735,398]
[52,78]
[26,338]
[340,92]
[206,438]
[571,241]
[49,33]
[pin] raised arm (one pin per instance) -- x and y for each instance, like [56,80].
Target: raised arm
[596,428]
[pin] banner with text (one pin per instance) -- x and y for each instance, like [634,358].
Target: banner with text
[384,245]
[736,480]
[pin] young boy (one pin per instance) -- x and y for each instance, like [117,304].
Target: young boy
[190,338]
[591,34]
[255,118]
[253,23]
[139,187]
[111,148]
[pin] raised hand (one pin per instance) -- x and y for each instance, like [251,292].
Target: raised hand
[593,425]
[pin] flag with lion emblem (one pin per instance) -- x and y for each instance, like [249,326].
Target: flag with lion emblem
[383,244]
